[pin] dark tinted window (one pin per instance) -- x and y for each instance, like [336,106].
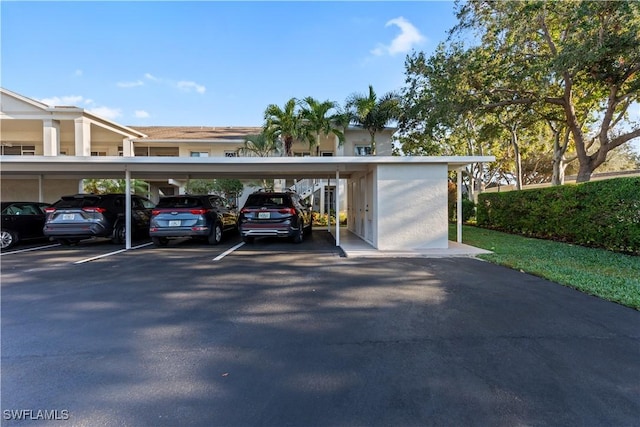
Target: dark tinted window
[277,200]
[77,202]
[179,202]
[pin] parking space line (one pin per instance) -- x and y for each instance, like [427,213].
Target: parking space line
[29,249]
[228,251]
[142,246]
[82,261]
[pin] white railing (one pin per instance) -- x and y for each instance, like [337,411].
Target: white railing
[306,187]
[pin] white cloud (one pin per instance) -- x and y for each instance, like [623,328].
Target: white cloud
[141,114]
[189,86]
[403,43]
[58,101]
[82,102]
[106,112]
[130,84]
[183,85]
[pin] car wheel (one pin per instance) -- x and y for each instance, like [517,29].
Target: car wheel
[160,241]
[8,238]
[299,236]
[118,236]
[216,234]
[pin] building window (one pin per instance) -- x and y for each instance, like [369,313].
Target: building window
[199,154]
[302,154]
[99,153]
[327,154]
[9,149]
[157,151]
[231,154]
[363,150]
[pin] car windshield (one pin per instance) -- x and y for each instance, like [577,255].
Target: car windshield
[179,202]
[268,200]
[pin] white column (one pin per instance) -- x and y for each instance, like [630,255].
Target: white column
[51,137]
[322,207]
[337,197]
[40,188]
[338,149]
[322,200]
[82,137]
[127,147]
[459,206]
[127,208]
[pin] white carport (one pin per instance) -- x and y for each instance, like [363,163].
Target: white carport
[394,203]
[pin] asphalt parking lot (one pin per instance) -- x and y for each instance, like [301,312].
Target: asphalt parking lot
[278,334]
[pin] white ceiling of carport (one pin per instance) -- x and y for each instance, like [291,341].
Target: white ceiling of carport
[210,167]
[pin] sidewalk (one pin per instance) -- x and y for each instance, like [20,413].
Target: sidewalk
[354,247]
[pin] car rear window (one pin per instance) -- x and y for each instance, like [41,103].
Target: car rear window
[276,200]
[179,202]
[77,202]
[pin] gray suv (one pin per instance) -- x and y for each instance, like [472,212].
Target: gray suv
[196,216]
[82,216]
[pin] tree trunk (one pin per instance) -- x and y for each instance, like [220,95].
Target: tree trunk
[288,142]
[558,170]
[517,158]
[584,173]
[373,143]
[559,150]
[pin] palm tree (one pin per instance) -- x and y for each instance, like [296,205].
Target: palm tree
[317,121]
[342,119]
[373,113]
[260,145]
[285,123]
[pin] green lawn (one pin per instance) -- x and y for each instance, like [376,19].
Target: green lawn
[608,275]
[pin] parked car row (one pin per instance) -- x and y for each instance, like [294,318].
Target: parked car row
[208,217]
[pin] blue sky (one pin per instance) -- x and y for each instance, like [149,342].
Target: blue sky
[209,63]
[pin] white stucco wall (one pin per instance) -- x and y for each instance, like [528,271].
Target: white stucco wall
[411,207]
[27,190]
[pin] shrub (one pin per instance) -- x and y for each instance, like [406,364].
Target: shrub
[600,214]
[321,220]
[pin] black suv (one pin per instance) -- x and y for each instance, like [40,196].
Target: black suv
[280,214]
[203,216]
[81,216]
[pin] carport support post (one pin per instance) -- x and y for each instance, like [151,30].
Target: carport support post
[459,206]
[328,213]
[127,208]
[40,189]
[337,197]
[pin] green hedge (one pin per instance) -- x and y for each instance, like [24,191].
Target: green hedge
[602,214]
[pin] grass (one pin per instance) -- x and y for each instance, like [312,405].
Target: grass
[612,276]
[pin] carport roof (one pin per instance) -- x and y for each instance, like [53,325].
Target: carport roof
[212,167]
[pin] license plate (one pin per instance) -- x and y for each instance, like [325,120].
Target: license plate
[174,223]
[68,217]
[264,215]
